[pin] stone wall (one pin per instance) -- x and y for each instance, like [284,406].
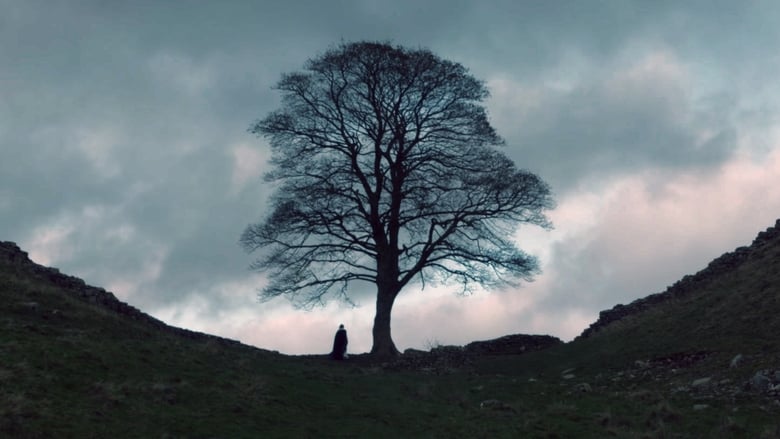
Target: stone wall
[512,344]
[14,260]
[690,283]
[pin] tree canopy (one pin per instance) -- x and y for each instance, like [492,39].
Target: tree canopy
[386,171]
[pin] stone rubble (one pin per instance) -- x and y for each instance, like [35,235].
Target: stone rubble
[764,382]
[448,359]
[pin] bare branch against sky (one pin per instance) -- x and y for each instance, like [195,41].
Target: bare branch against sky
[124,156]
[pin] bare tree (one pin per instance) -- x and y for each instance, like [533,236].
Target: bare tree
[386,172]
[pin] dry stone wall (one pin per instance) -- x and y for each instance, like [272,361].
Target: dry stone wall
[15,260]
[690,283]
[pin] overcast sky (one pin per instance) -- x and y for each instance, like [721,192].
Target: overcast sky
[125,157]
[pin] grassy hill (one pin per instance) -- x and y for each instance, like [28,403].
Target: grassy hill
[76,362]
[730,307]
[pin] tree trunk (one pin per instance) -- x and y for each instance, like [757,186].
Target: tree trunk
[383,340]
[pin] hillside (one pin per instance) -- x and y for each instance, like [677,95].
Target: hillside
[77,362]
[730,306]
[17,266]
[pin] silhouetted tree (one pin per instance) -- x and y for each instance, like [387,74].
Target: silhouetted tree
[385,172]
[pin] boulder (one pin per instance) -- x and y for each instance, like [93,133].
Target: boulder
[760,381]
[512,344]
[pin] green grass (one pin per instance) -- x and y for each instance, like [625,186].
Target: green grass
[69,369]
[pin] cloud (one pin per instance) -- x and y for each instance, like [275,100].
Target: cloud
[654,228]
[618,120]
[230,309]
[97,145]
[182,73]
[124,156]
[248,165]
[47,244]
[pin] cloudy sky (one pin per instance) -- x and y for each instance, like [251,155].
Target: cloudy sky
[125,157]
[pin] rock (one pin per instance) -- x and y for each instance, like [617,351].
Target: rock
[736,361]
[700,407]
[447,349]
[583,388]
[490,403]
[495,404]
[760,382]
[701,382]
[679,360]
[415,352]
[441,359]
[512,344]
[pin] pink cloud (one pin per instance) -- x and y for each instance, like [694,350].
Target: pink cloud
[630,238]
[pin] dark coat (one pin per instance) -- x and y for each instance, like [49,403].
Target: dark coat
[339,344]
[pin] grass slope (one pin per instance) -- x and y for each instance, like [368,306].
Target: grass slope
[731,307]
[69,368]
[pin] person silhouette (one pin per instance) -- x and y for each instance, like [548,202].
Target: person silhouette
[339,344]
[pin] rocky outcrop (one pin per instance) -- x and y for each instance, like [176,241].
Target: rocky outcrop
[15,261]
[690,283]
[512,344]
